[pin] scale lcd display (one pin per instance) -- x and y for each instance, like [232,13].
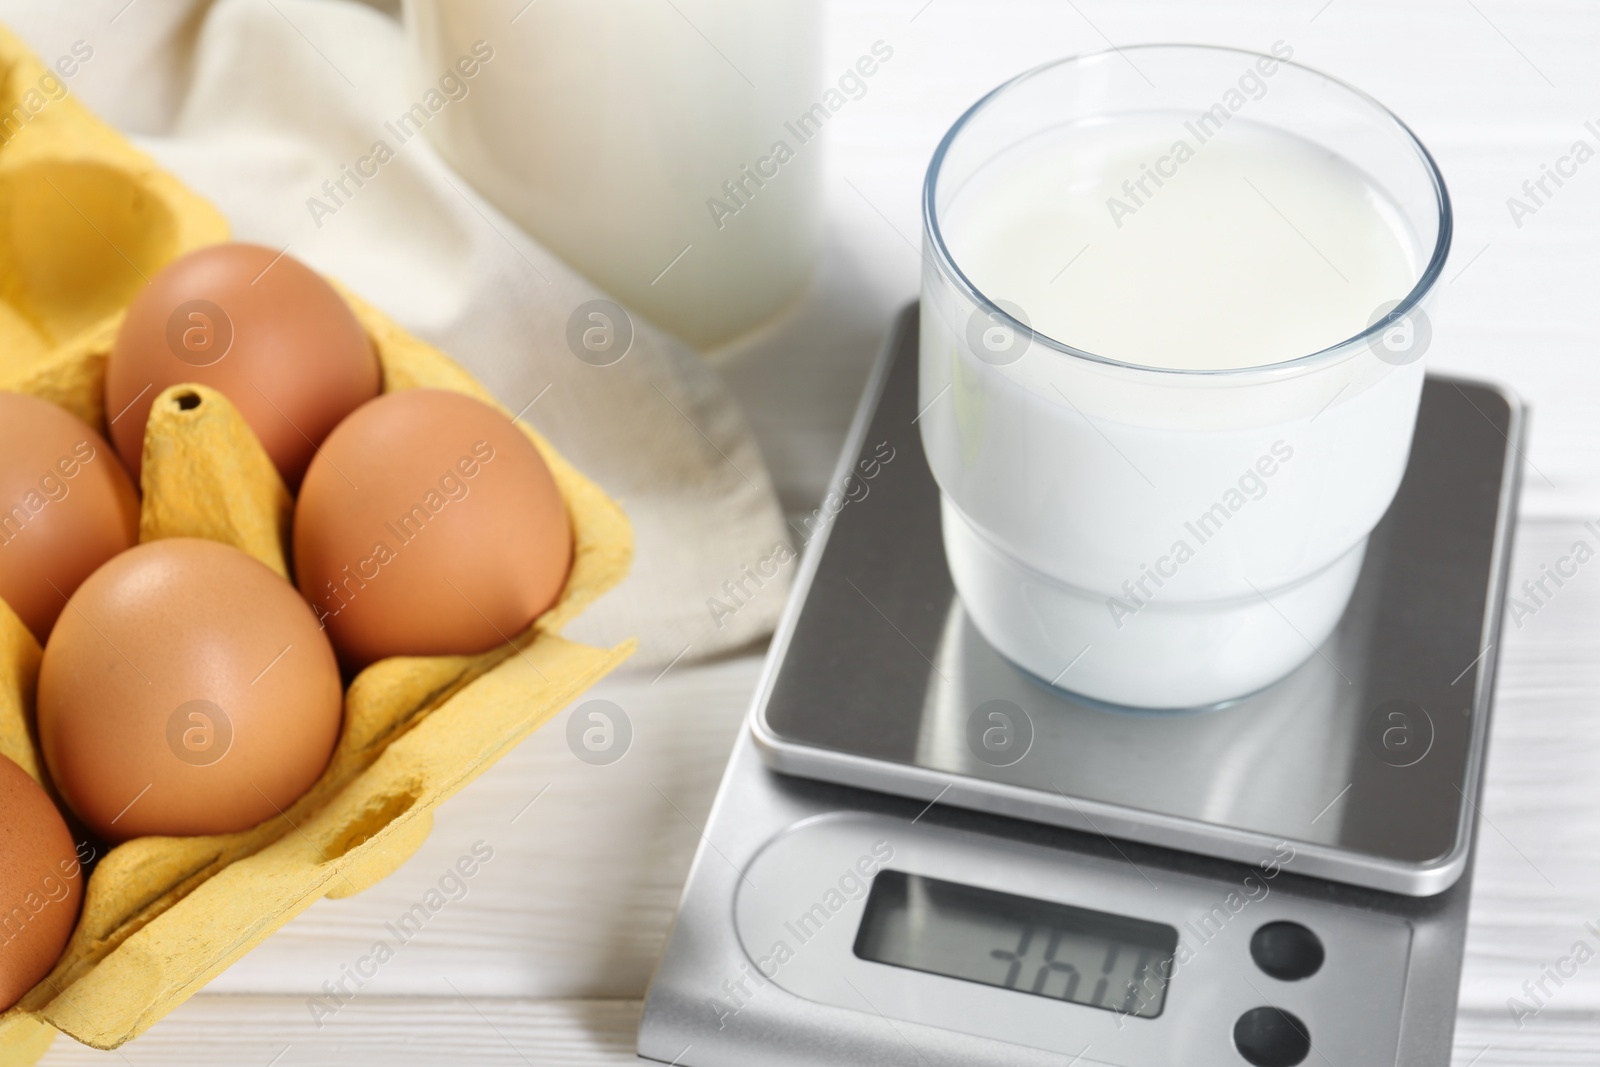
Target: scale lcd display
[1033,946]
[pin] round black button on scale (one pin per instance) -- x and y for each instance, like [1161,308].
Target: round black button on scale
[1271,1037]
[1287,951]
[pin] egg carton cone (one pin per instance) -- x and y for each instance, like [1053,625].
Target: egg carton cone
[90,219]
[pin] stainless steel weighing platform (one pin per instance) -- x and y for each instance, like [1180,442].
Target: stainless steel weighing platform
[1281,880]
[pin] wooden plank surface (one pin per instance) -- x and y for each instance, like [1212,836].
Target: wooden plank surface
[267,1031]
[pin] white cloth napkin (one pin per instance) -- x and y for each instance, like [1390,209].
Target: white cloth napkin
[256,103]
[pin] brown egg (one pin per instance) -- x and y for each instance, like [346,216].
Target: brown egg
[186,690]
[428,524]
[258,326]
[66,506]
[41,883]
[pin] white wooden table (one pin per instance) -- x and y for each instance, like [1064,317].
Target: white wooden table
[545,959]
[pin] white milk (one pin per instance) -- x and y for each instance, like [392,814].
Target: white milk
[639,141]
[1157,539]
[1257,248]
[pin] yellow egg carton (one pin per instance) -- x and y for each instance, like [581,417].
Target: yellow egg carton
[89,219]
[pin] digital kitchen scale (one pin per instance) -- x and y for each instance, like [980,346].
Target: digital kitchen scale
[922,855]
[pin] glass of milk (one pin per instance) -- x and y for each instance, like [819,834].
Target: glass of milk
[1170,361]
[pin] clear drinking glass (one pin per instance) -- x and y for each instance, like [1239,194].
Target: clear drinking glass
[1151,532]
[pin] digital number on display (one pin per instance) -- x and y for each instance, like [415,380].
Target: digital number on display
[1033,946]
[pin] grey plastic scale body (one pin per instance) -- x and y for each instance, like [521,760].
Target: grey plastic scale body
[1278,881]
